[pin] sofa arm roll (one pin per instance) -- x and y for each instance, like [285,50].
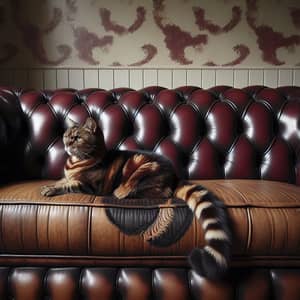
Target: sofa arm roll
[11,136]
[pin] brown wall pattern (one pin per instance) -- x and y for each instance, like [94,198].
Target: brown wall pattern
[161,33]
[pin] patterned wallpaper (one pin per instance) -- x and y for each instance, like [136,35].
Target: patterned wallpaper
[157,33]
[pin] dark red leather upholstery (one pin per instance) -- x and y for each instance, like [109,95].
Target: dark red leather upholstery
[208,134]
[217,133]
[144,284]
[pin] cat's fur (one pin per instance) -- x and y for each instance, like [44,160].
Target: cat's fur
[91,168]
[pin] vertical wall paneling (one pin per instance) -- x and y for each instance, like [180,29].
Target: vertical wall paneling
[36,79]
[224,77]
[208,78]
[165,78]
[121,78]
[150,77]
[285,77]
[50,79]
[296,77]
[5,77]
[62,80]
[179,78]
[271,78]
[136,79]
[256,77]
[194,77]
[106,79]
[20,78]
[241,78]
[90,78]
[139,78]
[76,79]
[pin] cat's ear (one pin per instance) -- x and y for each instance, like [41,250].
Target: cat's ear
[71,123]
[91,125]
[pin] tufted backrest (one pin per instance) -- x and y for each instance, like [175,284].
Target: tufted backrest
[217,133]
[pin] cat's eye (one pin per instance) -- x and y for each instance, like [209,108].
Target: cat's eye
[78,138]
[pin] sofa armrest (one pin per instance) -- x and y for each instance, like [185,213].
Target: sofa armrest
[11,124]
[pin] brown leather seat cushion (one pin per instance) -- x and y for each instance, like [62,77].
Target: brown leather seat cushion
[265,216]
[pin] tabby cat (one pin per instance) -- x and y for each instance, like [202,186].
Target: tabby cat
[92,169]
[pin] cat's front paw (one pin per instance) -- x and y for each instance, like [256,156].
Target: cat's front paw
[122,191]
[48,190]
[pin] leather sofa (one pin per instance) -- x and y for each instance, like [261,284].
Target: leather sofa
[242,144]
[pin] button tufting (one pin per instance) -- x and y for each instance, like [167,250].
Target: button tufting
[205,125]
[36,283]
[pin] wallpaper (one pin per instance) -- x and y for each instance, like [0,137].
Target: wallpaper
[157,33]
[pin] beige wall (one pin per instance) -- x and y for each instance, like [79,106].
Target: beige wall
[150,34]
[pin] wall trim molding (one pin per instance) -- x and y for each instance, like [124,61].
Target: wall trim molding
[137,78]
[184,67]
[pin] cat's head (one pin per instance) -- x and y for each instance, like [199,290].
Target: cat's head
[84,141]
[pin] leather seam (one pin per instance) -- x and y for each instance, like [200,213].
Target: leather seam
[89,225]
[249,229]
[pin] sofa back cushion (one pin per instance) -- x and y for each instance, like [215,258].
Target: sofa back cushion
[217,133]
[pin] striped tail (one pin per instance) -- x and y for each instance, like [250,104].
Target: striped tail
[212,260]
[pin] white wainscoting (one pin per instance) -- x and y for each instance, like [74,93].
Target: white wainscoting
[109,78]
